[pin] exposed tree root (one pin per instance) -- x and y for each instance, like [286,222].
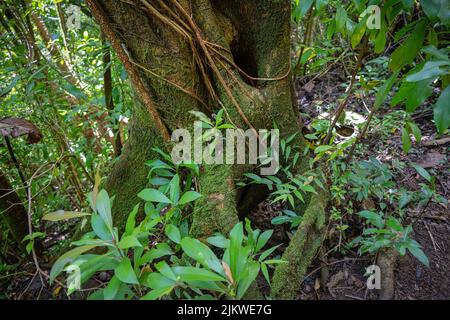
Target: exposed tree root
[301,250]
[386,261]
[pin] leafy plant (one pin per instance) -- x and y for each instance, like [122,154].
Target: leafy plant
[230,276]
[387,233]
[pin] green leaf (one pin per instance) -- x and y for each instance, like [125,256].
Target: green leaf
[111,290]
[174,189]
[358,32]
[424,173]
[303,7]
[432,8]
[153,195]
[103,207]
[125,273]
[196,274]
[320,4]
[417,252]
[173,233]
[165,270]
[414,94]
[373,217]
[415,131]
[153,254]
[189,196]
[66,258]
[74,91]
[407,52]
[384,90]
[321,149]
[218,241]
[341,19]
[157,293]
[64,215]
[262,240]
[380,40]
[129,242]
[252,271]
[442,111]
[236,238]
[406,140]
[201,253]
[156,280]
[131,220]
[265,272]
[281,220]
[100,228]
[431,70]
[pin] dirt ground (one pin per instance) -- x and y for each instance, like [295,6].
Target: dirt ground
[413,280]
[339,276]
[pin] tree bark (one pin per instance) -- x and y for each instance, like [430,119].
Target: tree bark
[204,55]
[13,211]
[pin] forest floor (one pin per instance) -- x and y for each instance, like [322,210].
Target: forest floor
[345,277]
[336,275]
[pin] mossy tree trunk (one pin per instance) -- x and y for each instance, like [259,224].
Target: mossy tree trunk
[247,66]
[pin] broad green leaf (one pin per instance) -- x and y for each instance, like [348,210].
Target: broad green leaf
[157,293]
[281,220]
[174,189]
[218,241]
[320,4]
[431,70]
[432,8]
[110,292]
[66,258]
[131,220]
[201,253]
[262,240]
[189,196]
[251,274]
[380,41]
[373,217]
[406,140]
[153,195]
[196,274]
[321,149]
[442,111]
[125,273]
[358,32]
[129,242]
[165,270]
[64,215]
[415,131]
[236,238]
[407,52]
[153,254]
[156,280]
[424,173]
[173,233]
[384,90]
[100,228]
[413,93]
[341,19]
[103,207]
[417,252]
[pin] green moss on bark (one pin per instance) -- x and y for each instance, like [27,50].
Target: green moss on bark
[216,211]
[301,250]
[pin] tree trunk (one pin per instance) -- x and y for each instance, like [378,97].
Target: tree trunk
[203,55]
[13,211]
